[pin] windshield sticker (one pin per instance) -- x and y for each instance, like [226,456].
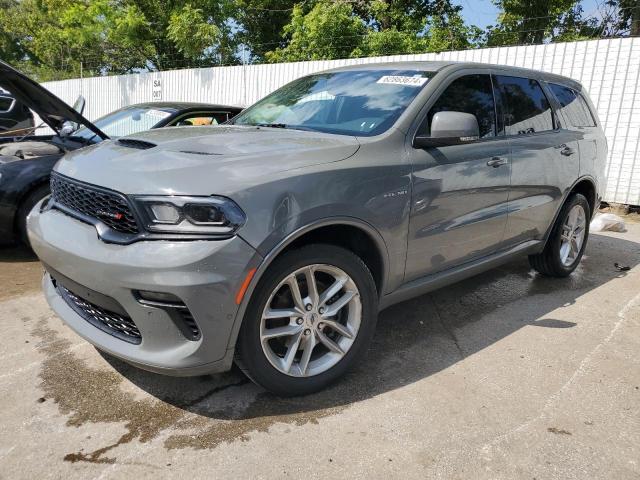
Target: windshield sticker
[403,80]
[157,113]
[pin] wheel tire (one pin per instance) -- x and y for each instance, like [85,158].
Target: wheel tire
[25,208]
[549,261]
[250,356]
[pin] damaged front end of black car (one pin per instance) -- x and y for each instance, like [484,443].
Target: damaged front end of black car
[26,159]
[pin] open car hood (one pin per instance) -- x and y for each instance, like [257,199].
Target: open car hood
[53,111]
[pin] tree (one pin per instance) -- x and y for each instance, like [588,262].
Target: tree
[446,29]
[534,21]
[10,48]
[56,38]
[184,33]
[330,30]
[340,29]
[262,24]
[621,17]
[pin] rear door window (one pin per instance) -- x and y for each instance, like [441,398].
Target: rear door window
[526,108]
[573,106]
[469,94]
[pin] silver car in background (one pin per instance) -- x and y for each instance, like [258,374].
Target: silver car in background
[275,240]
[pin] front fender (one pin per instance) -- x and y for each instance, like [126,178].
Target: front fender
[266,260]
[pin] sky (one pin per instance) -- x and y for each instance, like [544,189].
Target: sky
[484,12]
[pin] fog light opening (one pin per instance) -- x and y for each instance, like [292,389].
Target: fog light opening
[160,297]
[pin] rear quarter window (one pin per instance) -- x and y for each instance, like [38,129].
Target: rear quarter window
[573,106]
[590,117]
[526,107]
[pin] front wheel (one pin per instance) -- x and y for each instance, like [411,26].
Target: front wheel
[312,317]
[567,241]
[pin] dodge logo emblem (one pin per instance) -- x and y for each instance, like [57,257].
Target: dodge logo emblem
[114,215]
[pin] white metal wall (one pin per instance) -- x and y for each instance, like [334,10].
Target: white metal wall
[608,69]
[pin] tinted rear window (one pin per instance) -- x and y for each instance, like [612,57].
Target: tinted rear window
[526,108]
[573,106]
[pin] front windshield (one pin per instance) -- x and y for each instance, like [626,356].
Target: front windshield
[357,102]
[126,121]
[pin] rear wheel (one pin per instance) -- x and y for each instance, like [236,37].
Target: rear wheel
[311,319]
[567,240]
[27,205]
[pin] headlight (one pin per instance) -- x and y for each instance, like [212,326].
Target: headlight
[190,215]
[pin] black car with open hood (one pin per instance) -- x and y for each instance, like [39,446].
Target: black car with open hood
[53,111]
[26,159]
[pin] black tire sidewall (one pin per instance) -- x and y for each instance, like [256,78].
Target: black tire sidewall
[252,357]
[555,240]
[25,208]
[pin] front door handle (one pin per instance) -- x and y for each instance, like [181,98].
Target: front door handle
[495,162]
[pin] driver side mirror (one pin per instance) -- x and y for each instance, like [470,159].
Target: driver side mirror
[79,104]
[449,128]
[68,128]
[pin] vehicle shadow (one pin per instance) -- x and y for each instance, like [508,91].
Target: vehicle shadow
[414,340]
[16,254]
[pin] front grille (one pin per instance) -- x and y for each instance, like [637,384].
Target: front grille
[120,326]
[109,207]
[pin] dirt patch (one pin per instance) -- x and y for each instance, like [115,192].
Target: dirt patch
[20,272]
[93,395]
[263,413]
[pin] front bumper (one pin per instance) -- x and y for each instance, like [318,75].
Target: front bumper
[205,275]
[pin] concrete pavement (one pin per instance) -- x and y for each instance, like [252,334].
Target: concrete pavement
[505,375]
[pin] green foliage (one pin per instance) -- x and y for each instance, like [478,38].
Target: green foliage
[622,17]
[345,29]
[191,33]
[262,22]
[59,38]
[451,33]
[10,47]
[537,21]
[55,39]
[330,30]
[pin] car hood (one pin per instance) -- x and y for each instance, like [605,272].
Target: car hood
[202,160]
[53,111]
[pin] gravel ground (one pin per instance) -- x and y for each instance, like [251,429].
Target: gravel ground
[505,375]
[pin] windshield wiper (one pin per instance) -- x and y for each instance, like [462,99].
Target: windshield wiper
[285,125]
[272,125]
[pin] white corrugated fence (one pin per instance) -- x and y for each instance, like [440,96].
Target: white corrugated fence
[609,69]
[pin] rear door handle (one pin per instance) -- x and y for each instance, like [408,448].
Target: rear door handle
[566,151]
[495,162]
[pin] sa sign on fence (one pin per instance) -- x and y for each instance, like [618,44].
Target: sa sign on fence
[157,90]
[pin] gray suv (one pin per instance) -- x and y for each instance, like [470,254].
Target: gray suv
[274,240]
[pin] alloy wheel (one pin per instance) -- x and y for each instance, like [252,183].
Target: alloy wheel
[311,320]
[572,236]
